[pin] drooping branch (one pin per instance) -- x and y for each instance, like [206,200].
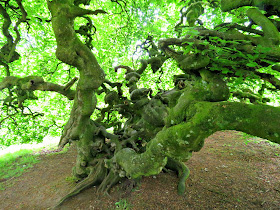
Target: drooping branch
[6,25]
[156,58]
[7,68]
[190,63]
[191,13]
[8,53]
[22,19]
[32,83]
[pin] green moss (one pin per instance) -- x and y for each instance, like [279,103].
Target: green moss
[136,165]
[271,33]
[155,113]
[193,62]
[183,173]
[252,119]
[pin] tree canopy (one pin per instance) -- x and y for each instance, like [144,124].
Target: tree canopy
[147,81]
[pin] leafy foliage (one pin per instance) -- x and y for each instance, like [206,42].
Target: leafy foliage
[155,78]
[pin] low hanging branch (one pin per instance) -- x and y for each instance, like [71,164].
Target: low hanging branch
[8,52]
[31,83]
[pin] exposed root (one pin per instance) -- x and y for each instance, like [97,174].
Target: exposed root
[183,173]
[110,180]
[95,177]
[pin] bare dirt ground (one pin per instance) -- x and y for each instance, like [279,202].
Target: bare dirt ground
[228,173]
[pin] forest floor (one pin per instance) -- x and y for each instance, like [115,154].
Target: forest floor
[232,171]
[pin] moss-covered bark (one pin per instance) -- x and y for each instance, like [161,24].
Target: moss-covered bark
[230,5]
[271,34]
[73,52]
[28,84]
[80,127]
[191,120]
[161,130]
[202,119]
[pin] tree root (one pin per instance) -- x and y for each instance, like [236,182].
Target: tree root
[183,173]
[95,177]
[110,180]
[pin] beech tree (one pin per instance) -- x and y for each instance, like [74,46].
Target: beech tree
[220,56]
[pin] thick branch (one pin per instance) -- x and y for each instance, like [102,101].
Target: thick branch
[228,5]
[72,51]
[36,83]
[79,12]
[47,86]
[179,141]
[271,34]
[127,68]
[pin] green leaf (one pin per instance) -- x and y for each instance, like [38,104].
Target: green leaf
[239,73]
[252,64]
[225,70]
[250,56]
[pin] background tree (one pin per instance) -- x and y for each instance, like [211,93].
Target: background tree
[223,56]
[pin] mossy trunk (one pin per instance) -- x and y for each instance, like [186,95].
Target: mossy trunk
[80,127]
[161,130]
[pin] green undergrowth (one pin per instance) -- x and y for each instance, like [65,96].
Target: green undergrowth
[72,179]
[14,164]
[122,205]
